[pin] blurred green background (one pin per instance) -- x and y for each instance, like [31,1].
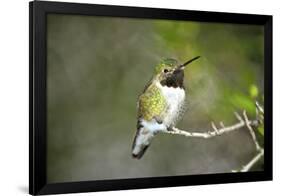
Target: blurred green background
[97,67]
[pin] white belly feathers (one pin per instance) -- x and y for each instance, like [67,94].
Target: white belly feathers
[175,100]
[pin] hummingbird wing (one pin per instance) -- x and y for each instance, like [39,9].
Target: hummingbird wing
[151,103]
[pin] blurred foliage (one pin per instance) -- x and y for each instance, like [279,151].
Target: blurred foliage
[254,91]
[97,67]
[261,130]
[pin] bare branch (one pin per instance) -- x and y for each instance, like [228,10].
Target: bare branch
[253,161]
[238,116]
[259,113]
[248,125]
[221,124]
[176,131]
[242,122]
[259,108]
[209,134]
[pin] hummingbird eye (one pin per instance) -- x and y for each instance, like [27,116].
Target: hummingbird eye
[166,70]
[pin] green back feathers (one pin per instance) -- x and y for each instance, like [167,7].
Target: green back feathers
[166,63]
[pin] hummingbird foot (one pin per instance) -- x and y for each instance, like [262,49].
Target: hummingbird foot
[170,128]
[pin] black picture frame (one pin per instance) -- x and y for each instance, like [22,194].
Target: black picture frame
[37,97]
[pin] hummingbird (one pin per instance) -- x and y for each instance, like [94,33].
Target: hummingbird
[161,104]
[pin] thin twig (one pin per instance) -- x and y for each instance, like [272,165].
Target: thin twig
[259,107]
[209,134]
[252,132]
[253,161]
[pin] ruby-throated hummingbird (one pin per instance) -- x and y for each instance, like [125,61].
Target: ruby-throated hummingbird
[161,104]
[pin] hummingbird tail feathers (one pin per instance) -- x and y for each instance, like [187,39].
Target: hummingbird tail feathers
[141,142]
[140,153]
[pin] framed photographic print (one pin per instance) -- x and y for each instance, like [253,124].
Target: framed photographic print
[131,97]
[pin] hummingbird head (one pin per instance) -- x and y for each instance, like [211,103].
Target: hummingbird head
[170,73]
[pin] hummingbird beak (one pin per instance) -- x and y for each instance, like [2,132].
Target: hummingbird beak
[188,62]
